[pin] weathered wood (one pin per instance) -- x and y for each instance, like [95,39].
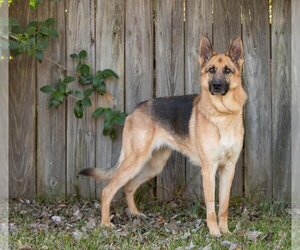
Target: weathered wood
[138,53]
[22,116]
[227,25]
[4,130]
[169,37]
[295,58]
[51,141]
[80,132]
[295,93]
[198,22]
[110,21]
[258,117]
[281,99]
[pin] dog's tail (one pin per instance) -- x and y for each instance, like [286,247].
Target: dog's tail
[98,174]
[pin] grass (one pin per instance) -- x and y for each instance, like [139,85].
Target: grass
[71,224]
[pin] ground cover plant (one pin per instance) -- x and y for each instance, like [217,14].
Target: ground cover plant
[54,223]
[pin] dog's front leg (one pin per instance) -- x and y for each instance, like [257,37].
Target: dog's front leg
[208,178]
[226,174]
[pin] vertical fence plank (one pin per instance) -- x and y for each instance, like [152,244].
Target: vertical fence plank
[4,127]
[80,132]
[22,114]
[281,99]
[258,120]
[138,52]
[198,22]
[295,62]
[110,21]
[51,167]
[169,36]
[227,25]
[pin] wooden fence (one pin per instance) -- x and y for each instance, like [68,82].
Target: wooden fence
[153,46]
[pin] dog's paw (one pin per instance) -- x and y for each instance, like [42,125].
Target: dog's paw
[135,213]
[215,231]
[107,225]
[139,214]
[225,231]
[224,228]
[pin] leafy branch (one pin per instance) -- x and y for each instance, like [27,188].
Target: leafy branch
[33,40]
[91,84]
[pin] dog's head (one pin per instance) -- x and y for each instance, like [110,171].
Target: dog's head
[220,73]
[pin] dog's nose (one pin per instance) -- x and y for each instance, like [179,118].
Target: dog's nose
[217,84]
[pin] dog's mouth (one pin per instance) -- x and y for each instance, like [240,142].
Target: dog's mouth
[220,90]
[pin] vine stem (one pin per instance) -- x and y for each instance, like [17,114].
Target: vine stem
[59,65]
[47,58]
[108,95]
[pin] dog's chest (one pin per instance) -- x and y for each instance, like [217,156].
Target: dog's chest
[227,147]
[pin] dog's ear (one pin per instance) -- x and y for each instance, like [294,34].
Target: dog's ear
[206,50]
[235,51]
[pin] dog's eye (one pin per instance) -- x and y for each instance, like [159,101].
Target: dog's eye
[212,70]
[227,70]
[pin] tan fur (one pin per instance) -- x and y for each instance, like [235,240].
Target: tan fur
[214,143]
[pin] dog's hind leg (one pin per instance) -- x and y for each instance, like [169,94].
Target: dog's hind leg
[152,168]
[127,170]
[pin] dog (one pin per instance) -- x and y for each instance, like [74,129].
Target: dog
[206,127]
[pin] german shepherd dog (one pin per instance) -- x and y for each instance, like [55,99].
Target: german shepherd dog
[207,128]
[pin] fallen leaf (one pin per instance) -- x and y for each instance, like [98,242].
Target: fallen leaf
[25,248]
[207,247]
[77,234]
[172,227]
[56,219]
[160,220]
[191,246]
[229,244]
[253,235]
[91,223]
[121,232]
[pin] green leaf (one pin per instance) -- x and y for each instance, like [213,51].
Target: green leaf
[108,73]
[78,109]
[78,94]
[53,103]
[49,32]
[84,69]
[98,112]
[59,96]
[47,89]
[120,118]
[34,3]
[62,88]
[101,89]
[82,54]
[49,22]
[88,92]
[74,56]
[39,55]
[33,23]
[31,30]
[85,79]
[86,102]
[69,79]
[13,44]
[42,44]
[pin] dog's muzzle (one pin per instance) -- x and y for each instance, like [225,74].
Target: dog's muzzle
[218,87]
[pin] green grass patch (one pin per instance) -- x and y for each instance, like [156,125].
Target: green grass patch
[72,224]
